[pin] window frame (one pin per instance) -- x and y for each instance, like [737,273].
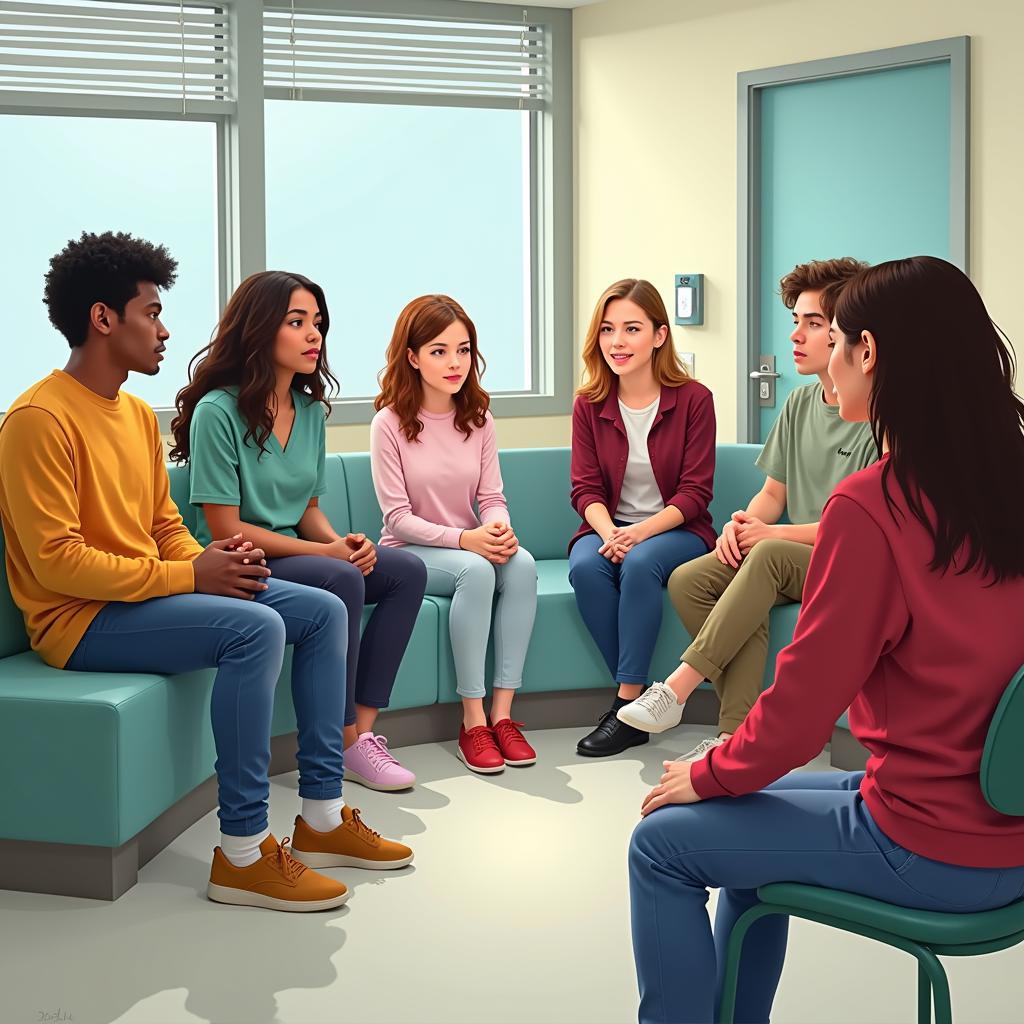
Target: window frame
[241,181]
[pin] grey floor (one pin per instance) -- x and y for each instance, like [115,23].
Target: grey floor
[515,912]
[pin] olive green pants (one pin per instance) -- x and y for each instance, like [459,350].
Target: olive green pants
[725,610]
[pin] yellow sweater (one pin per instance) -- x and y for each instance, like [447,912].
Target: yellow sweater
[86,510]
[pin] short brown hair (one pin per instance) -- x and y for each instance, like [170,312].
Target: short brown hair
[825,276]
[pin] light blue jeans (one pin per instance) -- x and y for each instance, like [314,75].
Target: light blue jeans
[471,581]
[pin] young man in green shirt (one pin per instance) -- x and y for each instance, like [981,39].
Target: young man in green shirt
[724,598]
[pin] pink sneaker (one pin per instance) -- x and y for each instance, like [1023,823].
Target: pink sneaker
[369,762]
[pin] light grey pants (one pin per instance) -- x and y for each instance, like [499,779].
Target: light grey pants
[470,581]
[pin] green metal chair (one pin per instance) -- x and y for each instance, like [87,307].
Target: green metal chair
[924,934]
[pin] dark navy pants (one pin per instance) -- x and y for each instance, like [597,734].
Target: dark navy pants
[395,587]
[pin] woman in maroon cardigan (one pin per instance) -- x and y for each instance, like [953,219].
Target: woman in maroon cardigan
[643,462]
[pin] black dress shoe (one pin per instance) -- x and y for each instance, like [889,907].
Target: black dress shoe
[610,737]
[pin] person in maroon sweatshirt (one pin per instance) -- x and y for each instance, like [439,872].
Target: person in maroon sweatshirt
[912,618]
[643,464]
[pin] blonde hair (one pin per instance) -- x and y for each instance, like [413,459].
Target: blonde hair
[666,365]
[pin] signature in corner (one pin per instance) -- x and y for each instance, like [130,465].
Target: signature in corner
[53,1016]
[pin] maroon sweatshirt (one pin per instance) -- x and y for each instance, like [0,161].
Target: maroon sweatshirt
[920,658]
[681,445]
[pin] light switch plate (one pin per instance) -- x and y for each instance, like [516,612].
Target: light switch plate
[688,362]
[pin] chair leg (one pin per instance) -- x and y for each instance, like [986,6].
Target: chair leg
[924,995]
[730,976]
[928,964]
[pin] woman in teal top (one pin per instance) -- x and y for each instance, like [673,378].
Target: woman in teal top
[252,425]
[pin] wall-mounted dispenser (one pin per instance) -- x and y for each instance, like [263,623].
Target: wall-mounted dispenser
[689,299]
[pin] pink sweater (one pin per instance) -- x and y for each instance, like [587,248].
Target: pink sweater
[427,487]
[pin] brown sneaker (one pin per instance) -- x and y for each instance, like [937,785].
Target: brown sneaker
[353,844]
[276,882]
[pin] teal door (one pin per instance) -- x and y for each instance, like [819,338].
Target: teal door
[857,165]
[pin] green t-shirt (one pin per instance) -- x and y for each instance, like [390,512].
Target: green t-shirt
[810,449]
[271,489]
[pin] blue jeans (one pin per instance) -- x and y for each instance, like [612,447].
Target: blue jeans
[621,604]
[810,827]
[245,641]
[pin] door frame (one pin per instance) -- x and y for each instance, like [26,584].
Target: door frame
[954,50]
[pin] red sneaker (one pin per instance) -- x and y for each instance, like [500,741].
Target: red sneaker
[478,750]
[512,744]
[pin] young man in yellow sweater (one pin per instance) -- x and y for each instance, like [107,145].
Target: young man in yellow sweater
[110,580]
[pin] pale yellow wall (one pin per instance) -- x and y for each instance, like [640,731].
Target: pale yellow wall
[656,142]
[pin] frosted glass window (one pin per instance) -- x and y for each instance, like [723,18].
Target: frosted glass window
[380,203]
[61,176]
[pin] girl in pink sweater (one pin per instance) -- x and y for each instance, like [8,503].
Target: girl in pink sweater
[435,471]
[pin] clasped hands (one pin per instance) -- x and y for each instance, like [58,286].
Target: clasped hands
[496,542]
[621,541]
[739,535]
[356,548]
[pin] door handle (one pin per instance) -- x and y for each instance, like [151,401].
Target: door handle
[766,377]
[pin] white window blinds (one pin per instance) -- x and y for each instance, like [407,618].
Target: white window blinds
[392,59]
[157,50]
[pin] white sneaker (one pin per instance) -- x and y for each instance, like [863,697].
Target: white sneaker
[700,751]
[655,710]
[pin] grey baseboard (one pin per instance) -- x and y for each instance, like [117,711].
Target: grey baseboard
[105,873]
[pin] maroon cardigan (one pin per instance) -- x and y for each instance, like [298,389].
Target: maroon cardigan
[681,445]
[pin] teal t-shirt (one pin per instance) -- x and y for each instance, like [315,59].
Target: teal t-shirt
[271,489]
[810,449]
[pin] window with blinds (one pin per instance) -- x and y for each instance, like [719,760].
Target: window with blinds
[402,60]
[158,50]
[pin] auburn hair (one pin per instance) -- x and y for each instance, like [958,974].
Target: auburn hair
[242,355]
[598,376]
[827,277]
[401,388]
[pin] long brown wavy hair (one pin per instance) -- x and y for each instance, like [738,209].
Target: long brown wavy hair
[598,376]
[242,355]
[401,388]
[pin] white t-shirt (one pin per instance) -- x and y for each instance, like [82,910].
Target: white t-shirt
[641,497]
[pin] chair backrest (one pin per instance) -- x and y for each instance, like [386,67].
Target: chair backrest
[1002,762]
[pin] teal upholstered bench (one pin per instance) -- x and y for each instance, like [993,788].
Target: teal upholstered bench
[104,770]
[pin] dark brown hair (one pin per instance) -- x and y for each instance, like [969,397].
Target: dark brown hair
[401,388]
[942,396]
[824,276]
[666,365]
[242,355]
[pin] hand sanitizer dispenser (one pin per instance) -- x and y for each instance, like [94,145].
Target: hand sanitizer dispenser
[689,299]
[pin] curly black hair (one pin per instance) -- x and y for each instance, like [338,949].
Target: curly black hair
[103,268]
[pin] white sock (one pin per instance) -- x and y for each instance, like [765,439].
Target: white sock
[243,850]
[322,815]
